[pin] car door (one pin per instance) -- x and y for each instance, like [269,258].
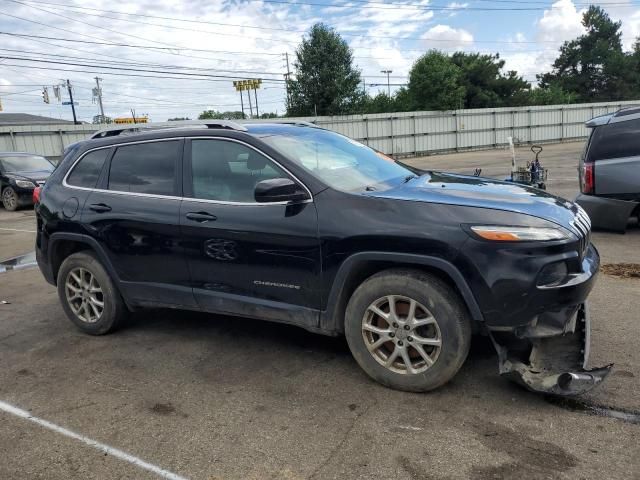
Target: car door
[134,215]
[247,258]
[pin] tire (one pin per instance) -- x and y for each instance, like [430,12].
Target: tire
[78,277]
[10,199]
[440,316]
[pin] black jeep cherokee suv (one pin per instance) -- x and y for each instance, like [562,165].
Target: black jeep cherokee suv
[292,223]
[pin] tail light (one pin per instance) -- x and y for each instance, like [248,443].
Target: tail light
[36,195]
[588,178]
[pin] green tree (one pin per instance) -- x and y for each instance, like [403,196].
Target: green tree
[326,81]
[551,95]
[634,69]
[98,119]
[484,83]
[435,83]
[593,66]
[214,114]
[381,103]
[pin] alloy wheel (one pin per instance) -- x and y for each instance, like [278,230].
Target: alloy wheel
[9,199]
[401,334]
[84,295]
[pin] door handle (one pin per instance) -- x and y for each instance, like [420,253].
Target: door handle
[99,207]
[201,217]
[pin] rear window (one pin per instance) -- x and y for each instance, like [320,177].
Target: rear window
[615,140]
[145,168]
[87,170]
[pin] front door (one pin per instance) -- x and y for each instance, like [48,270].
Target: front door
[134,214]
[252,259]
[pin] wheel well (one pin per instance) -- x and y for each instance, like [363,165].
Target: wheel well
[368,269]
[61,250]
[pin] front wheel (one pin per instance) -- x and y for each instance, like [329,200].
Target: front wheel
[408,330]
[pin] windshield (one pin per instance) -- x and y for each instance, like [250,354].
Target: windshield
[338,161]
[25,163]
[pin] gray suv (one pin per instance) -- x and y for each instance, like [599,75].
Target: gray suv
[609,170]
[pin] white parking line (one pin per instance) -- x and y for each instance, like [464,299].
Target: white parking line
[18,412]
[17,230]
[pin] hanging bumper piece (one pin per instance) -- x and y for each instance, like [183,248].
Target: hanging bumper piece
[557,361]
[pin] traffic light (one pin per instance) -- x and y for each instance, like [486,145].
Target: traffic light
[45,94]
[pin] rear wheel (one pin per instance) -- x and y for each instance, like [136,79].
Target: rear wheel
[408,330]
[88,296]
[10,199]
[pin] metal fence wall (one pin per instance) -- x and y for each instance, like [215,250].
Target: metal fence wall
[400,134]
[423,133]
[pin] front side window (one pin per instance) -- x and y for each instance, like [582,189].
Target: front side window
[145,168]
[25,163]
[228,171]
[338,161]
[87,170]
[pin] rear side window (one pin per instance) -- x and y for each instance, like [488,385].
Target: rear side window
[87,170]
[145,168]
[615,140]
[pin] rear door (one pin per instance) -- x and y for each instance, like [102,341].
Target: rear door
[240,252]
[134,214]
[615,150]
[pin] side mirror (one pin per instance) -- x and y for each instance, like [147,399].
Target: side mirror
[279,190]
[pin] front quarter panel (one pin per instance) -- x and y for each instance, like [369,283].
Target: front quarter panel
[351,224]
[499,280]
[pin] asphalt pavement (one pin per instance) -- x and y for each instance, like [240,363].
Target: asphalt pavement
[187,395]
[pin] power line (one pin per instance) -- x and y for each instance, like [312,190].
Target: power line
[414,7]
[97,70]
[362,4]
[41,60]
[115,44]
[390,37]
[141,64]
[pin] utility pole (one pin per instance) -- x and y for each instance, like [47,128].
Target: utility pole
[73,107]
[255,93]
[388,72]
[287,77]
[238,85]
[250,106]
[99,95]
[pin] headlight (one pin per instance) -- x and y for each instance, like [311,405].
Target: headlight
[25,184]
[499,233]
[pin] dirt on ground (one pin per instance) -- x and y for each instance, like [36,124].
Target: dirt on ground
[621,270]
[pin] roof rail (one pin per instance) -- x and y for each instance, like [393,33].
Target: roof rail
[142,127]
[285,121]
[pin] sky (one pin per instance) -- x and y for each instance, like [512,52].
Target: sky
[176,58]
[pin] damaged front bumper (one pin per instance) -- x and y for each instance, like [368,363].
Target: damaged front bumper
[549,360]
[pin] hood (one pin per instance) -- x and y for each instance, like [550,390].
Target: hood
[33,176]
[464,190]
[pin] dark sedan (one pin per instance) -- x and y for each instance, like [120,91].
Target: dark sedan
[20,173]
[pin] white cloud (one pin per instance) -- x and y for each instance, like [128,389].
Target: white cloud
[455,6]
[444,37]
[561,22]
